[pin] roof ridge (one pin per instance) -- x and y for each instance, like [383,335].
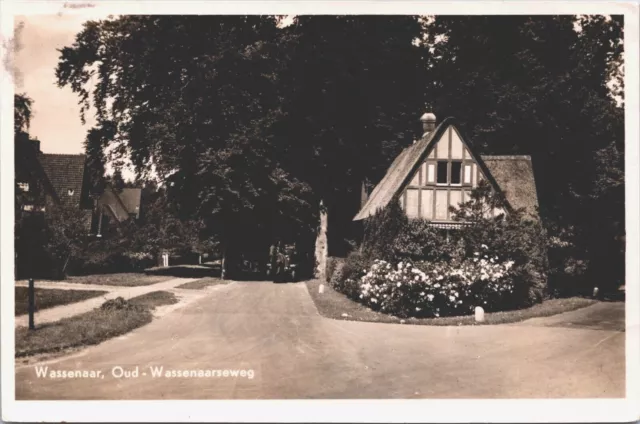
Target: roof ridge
[63,154]
[498,157]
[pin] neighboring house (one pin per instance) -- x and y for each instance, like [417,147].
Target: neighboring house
[47,179]
[116,206]
[441,169]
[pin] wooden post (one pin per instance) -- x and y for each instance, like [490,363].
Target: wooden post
[32,304]
[223,264]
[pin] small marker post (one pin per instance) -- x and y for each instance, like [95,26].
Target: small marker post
[32,304]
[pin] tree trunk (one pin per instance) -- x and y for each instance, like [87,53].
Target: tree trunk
[223,262]
[322,247]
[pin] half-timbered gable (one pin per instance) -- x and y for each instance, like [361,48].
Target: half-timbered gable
[440,170]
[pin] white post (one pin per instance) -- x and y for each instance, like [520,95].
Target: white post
[479,314]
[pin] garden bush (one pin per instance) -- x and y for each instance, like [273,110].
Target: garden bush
[438,289]
[410,268]
[99,261]
[348,272]
[333,263]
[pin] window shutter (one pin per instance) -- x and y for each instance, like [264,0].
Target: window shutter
[431,173]
[467,175]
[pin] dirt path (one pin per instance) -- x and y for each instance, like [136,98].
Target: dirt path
[64,311]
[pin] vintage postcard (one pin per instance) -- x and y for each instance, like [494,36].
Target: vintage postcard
[320,211]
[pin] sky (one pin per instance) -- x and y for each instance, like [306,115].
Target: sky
[56,113]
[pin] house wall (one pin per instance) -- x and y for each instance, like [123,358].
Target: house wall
[424,197]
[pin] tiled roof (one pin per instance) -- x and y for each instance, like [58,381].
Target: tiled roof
[514,175]
[66,174]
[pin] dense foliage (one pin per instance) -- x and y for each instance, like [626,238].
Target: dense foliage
[135,245]
[549,87]
[409,268]
[251,124]
[433,289]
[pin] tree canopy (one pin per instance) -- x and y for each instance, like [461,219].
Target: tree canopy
[250,124]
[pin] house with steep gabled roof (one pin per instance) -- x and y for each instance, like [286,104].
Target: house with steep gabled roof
[440,170]
[63,179]
[51,179]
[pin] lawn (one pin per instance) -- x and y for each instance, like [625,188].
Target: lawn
[114,318]
[48,298]
[332,304]
[127,279]
[201,284]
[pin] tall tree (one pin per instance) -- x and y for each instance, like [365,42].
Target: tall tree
[356,91]
[538,85]
[196,96]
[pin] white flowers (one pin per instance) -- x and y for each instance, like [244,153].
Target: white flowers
[427,287]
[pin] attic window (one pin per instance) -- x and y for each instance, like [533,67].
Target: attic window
[70,192]
[442,172]
[456,171]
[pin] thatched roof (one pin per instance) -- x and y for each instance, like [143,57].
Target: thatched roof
[514,175]
[404,166]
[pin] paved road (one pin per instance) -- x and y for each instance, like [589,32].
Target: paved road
[276,331]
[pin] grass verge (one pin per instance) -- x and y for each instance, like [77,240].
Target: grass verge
[201,284]
[48,298]
[332,304]
[114,318]
[127,279]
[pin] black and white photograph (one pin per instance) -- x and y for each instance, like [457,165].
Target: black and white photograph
[319,205]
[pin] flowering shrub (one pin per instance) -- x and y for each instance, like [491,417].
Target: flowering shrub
[437,289]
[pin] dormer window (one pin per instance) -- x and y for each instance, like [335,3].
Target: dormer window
[449,172]
[70,192]
[442,172]
[456,171]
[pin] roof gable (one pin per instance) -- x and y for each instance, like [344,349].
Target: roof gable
[405,165]
[66,174]
[121,204]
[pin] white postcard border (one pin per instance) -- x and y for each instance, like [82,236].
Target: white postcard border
[590,410]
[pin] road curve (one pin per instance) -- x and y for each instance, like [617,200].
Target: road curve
[275,330]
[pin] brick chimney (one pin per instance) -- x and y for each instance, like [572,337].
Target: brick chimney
[36,145]
[428,123]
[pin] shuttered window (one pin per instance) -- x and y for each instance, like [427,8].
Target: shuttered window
[467,174]
[431,173]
